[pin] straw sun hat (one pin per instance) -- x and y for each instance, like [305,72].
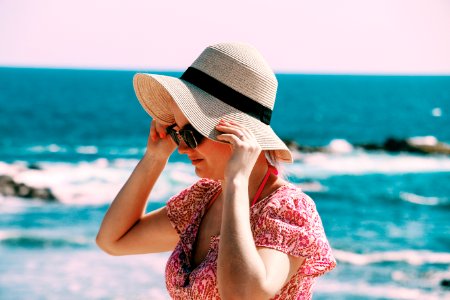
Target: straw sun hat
[228,80]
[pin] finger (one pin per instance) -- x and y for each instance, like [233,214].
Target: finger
[245,131]
[229,138]
[242,133]
[153,133]
[232,123]
[232,129]
[160,129]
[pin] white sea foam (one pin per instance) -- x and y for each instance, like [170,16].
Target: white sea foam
[84,149]
[43,239]
[436,112]
[312,186]
[428,140]
[361,162]
[12,169]
[96,182]
[99,181]
[422,200]
[339,146]
[52,148]
[87,149]
[412,257]
[372,291]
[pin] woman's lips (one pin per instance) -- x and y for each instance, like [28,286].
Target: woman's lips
[196,161]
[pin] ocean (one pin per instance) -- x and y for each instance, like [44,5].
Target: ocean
[81,132]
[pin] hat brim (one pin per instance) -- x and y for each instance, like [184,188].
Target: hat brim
[203,110]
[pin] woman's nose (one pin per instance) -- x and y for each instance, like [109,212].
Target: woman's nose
[182,147]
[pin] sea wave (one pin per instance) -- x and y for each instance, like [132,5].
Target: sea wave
[423,200]
[97,182]
[313,186]
[411,257]
[426,145]
[34,240]
[361,162]
[81,149]
[87,150]
[51,148]
[336,288]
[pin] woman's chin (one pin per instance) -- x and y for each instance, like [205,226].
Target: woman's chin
[202,173]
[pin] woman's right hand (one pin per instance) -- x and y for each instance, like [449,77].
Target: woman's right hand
[159,143]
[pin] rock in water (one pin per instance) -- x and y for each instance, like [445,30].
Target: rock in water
[8,187]
[445,283]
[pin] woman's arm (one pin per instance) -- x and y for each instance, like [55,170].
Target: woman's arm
[243,270]
[125,228]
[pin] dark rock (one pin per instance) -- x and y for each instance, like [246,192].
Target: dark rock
[5,179]
[408,145]
[23,190]
[370,147]
[439,148]
[293,146]
[34,166]
[445,283]
[8,187]
[391,144]
[399,145]
[43,193]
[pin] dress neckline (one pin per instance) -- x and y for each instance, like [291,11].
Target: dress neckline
[190,242]
[270,170]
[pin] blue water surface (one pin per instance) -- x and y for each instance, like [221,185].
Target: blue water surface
[84,130]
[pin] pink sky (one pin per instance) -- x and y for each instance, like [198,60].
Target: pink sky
[335,36]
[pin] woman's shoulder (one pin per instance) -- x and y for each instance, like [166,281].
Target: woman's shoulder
[205,184]
[288,196]
[288,221]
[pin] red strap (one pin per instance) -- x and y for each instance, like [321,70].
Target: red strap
[270,170]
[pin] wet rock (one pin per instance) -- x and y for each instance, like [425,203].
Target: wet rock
[8,187]
[400,145]
[293,146]
[34,166]
[417,145]
[439,148]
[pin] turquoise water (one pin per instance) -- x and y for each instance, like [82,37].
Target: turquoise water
[386,215]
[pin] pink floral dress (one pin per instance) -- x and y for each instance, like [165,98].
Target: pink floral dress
[285,220]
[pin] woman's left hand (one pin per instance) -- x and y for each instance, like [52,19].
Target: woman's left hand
[245,148]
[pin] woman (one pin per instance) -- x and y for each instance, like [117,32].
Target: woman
[240,232]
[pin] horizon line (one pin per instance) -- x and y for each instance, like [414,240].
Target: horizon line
[278,72]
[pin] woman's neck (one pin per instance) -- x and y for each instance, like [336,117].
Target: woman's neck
[256,177]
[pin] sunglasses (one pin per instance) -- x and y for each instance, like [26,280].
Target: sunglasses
[188,133]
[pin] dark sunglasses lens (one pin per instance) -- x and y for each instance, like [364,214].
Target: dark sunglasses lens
[173,135]
[189,139]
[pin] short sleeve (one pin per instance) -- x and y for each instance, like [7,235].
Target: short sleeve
[289,222]
[182,208]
